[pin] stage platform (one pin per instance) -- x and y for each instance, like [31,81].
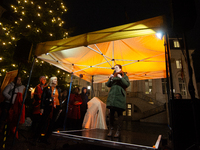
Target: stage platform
[128,139]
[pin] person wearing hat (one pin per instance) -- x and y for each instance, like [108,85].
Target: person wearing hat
[37,101]
[116,101]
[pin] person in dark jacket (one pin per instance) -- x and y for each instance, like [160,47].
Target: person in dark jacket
[50,109]
[84,105]
[74,111]
[116,101]
[36,118]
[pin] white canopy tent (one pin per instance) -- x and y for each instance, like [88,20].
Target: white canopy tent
[135,46]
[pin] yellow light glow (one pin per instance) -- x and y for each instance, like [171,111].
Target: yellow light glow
[23,13]
[13,38]
[22,7]
[47,77]
[0,58]
[20,19]
[3,70]
[0,23]
[38,14]
[15,22]
[7,33]
[60,24]
[12,6]
[31,2]
[25,1]
[59,18]
[4,43]
[38,31]
[63,73]
[62,21]
[15,10]
[36,60]
[13,65]
[65,9]
[18,2]
[50,11]
[24,71]
[63,6]
[0,74]
[42,62]
[51,34]
[58,71]
[39,7]
[28,26]
[4,28]
[9,42]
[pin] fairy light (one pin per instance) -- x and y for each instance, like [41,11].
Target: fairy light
[12,6]
[36,60]
[31,2]
[46,77]
[51,34]
[22,7]
[39,7]
[58,71]
[38,15]
[0,23]
[16,22]
[7,33]
[24,71]
[28,26]
[18,2]
[25,1]
[42,62]
[65,9]
[3,70]
[23,13]
[38,30]
[0,74]
[9,42]
[20,19]
[4,43]
[4,28]
[15,10]
[13,65]
[1,58]
[50,11]
[13,38]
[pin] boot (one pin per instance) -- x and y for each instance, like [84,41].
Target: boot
[117,134]
[110,131]
[119,126]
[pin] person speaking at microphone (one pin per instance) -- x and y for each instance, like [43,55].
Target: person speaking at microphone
[116,101]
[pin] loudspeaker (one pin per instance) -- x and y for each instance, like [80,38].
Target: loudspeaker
[183,14]
[23,50]
[184,121]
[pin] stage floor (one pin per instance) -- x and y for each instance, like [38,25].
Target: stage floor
[127,140]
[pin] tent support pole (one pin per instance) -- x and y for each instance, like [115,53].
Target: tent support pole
[71,81]
[92,88]
[24,97]
[169,64]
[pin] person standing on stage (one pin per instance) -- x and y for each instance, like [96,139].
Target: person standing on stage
[50,109]
[37,101]
[116,101]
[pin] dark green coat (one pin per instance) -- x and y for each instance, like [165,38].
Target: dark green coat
[117,94]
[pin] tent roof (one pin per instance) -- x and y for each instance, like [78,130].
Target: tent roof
[134,46]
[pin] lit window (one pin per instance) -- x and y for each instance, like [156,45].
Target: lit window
[148,86]
[178,64]
[176,44]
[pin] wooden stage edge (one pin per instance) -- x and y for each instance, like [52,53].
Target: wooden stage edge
[99,137]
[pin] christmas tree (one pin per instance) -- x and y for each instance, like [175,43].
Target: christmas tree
[37,21]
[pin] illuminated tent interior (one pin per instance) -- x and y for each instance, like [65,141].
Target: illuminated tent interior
[135,46]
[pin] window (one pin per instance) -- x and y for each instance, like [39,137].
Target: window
[178,64]
[182,86]
[128,111]
[176,44]
[148,86]
[164,85]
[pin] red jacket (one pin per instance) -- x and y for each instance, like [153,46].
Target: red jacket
[37,99]
[74,111]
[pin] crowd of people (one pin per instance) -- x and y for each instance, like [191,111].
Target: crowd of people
[49,108]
